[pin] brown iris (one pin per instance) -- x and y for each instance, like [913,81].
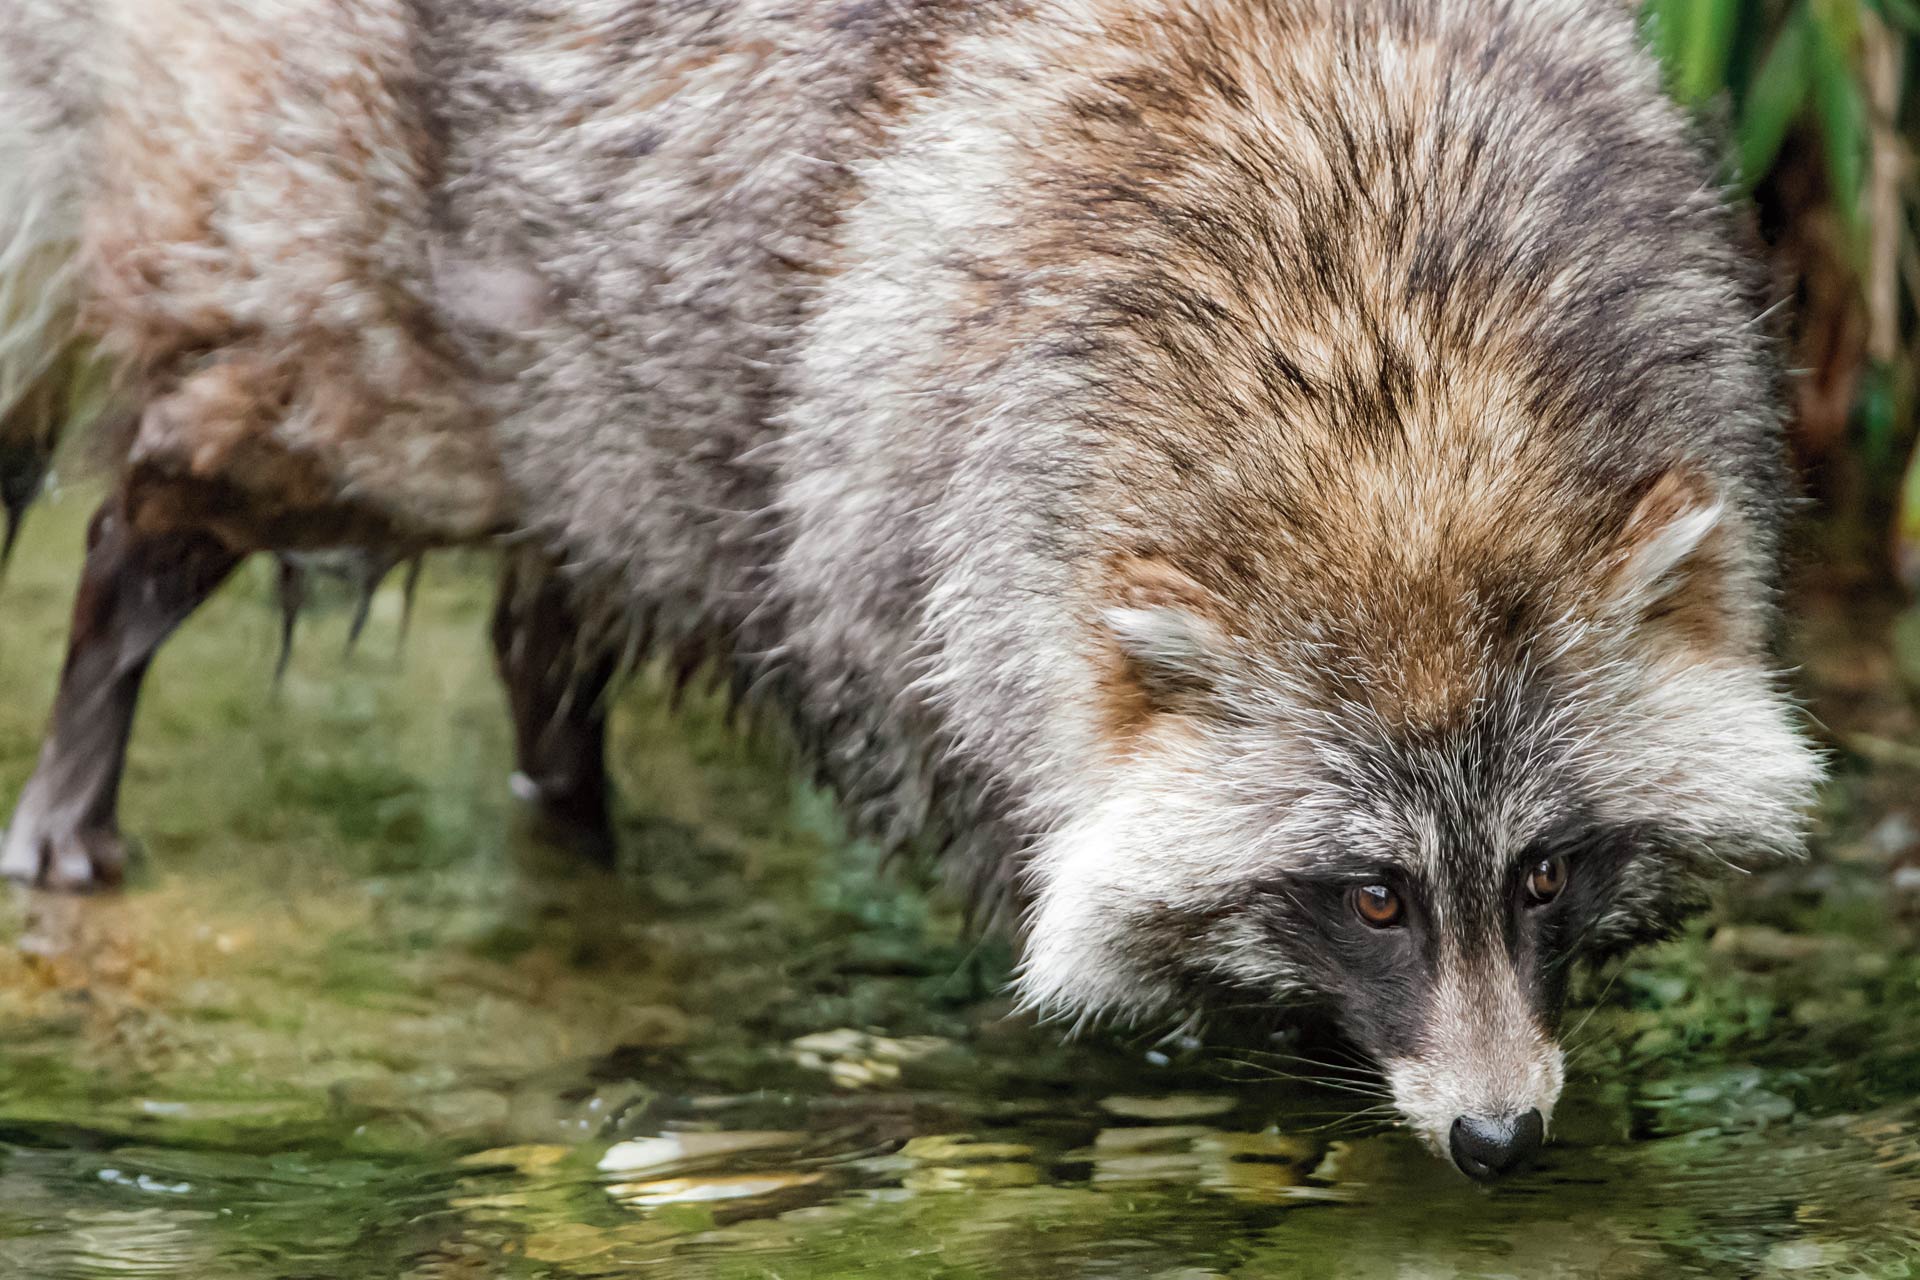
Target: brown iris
[1377,905]
[1546,880]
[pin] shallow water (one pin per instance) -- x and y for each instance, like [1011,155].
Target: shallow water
[351,1022]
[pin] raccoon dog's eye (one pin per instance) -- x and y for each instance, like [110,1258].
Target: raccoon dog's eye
[1546,880]
[1377,905]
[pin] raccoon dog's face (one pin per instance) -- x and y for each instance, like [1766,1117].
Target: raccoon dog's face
[1416,784]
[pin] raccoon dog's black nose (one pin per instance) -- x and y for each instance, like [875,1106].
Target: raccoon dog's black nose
[1486,1148]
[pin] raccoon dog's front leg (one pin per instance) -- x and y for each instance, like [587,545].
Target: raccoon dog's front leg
[558,699]
[136,588]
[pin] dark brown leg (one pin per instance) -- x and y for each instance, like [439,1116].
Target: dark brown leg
[558,699]
[134,591]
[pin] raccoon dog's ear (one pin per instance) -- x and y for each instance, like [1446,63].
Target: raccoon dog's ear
[1161,620]
[1669,531]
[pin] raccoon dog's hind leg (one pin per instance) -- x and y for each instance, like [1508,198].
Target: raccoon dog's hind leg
[558,701]
[135,589]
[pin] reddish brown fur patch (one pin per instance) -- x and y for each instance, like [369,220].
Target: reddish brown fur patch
[1695,613]
[1121,704]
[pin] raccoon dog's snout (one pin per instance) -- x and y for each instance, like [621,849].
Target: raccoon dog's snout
[1489,1147]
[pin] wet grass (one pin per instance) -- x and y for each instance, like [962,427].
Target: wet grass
[350,1022]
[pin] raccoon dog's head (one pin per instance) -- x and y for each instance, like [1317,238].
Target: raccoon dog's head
[1414,758]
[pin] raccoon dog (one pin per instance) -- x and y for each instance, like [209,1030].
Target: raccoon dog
[1283,494]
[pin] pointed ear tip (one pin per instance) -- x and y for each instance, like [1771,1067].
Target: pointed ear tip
[1679,492]
[1672,521]
[1678,509]
[1153,579]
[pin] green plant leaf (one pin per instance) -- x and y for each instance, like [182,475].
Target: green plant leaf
[1874,411]
[1902,14]
[1776,98]
[1659,26]
[1841,107]
[1706,33]
[1906,532]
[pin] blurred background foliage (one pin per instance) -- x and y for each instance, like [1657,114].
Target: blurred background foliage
[1821,101]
